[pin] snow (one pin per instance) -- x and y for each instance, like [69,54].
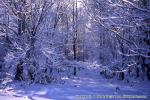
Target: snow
[46,41]
[88,82]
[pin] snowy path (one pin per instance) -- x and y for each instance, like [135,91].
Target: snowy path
[88,84]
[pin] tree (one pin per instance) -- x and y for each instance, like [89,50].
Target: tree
[120,20]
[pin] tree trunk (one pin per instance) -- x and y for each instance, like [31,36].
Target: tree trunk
[19,71]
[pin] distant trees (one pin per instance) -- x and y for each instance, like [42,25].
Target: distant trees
[41,35]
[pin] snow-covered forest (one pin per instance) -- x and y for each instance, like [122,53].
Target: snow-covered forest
[72,49]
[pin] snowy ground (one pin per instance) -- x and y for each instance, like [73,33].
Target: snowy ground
[88,84]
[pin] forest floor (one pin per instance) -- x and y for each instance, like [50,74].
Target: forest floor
[89,86]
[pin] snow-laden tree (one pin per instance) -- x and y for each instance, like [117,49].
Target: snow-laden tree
[31,50]
[122,28]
